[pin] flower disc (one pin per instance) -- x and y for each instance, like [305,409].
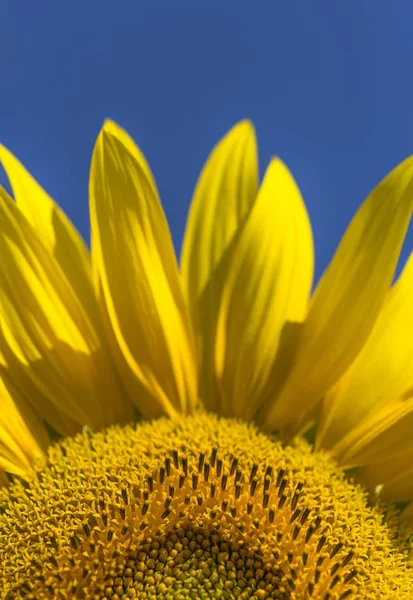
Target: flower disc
[200,507]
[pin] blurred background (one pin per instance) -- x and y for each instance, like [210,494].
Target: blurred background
[328,85]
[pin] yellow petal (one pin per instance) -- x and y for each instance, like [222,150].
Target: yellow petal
[138,281]
[4,482]
[23,438]
[348,298]
[222,200]
[223,197]
[51,349]
[268,284]
[401,487]
[394,476]
[51,224]
[385,434]
[382,371]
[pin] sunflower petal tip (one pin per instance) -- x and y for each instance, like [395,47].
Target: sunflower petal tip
[278,166]
[276,161]
[247,123]
[245,127]
[5,154]
[112,128]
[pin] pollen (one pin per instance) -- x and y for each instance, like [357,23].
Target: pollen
[200,507]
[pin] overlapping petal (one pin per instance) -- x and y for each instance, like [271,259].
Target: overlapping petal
[137,280]
[381,373]
[267,287]
[222,200]
[23,438]
[52,350]
[52,226]
[348,299]
[247,264]
[393,475]
[386,433]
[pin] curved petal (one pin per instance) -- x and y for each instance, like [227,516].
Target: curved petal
[23,438]
[268,284]
[223,197]
[138,282]
[393,475]
[348,299]
[222,200]
[384,435]
[51,350]
[382,371]
[51,224]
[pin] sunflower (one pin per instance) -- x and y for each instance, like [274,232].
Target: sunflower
[210,431]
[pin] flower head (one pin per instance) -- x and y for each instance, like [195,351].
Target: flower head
[195,504]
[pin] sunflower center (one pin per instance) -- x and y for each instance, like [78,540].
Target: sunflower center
[222,531]
[194,562]
[197,508]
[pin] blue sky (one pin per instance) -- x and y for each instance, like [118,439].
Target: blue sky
[328,85]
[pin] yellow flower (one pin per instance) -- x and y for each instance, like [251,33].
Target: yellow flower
[225,363]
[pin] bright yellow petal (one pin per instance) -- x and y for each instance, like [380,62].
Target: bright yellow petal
[223,197]
[138,279]
[51,224]
[348,298]
[225,192]
[23,438]
[268,285]
[382,371]
[51,349]
[385,434]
